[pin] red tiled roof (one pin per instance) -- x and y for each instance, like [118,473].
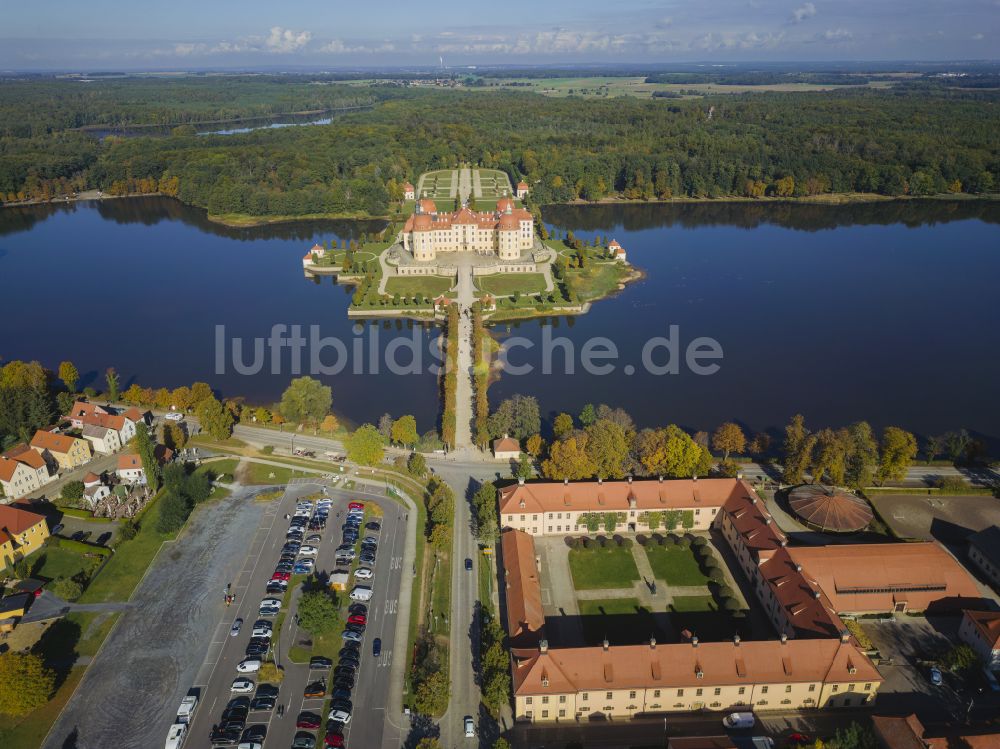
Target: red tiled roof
[17,521]
[134,414]
[506,445]
[57,443]
[31,459]
[466,217]
[129,461]
[407,187]
[522,185]
[829,509]
[988,624]
[525,618]
[8,467]
[615,495]
[679,665]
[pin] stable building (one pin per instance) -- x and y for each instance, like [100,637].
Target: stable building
[980,630]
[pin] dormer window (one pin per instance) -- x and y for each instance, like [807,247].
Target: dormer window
[545,682]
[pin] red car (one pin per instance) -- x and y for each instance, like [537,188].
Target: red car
[357,619]
[355,506]
[308,720]
[799,738]
[334,740]
[281,576]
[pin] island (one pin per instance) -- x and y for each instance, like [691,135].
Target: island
[469,227]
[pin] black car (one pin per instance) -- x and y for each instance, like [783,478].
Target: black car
[256,651]
[350,660]
[344,705]
[254,733]
[273,587]
[373,526]
[468,564]
[377,647]
[343,682]
[262,703]
[367,558]
[267,690]
[344,672]
[359,628]
[287,558]
[238,702]
[224,736]
[351,648]
[357,608]
[341,694]
[235,715]
[319,661]
[232,725]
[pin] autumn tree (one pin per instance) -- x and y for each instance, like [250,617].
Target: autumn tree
[215,419]
[534,445]
[862,462]
[484,504]
[306,401]
[671,452]
[25,683]
[608,449]
[798,447]
[318,612]
[330,424]
[568,460]
[365,446]
[111,380]
[69,375]
[562,426]
[404,430]
[899,448]
[146,450]
[830,455]
[729,438]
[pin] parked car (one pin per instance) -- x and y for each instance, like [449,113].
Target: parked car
[262,629]
[248,666]
[242,686]
[739,720]
[254,734]
[340,715]
[355,506]
[271,603]
[221,736]
[364,573]
[235,629]
[334,740]
[367,558]
[373,526]
[262,703]
[308,720]
[268,690]
[303,568]
[470,727]
[320,662]
[341,694]
[314,689]
[351,636]
[935,675]
[176,735]
[361,593]
[357,619]
[308,551]
[304,740]
[357,608]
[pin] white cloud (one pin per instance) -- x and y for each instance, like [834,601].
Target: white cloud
[283,41]
[978,37]
[804,11]
[836,35]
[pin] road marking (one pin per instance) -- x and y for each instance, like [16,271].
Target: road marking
[386,659]
[390,606]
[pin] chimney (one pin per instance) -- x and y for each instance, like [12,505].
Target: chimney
[845,636]
[736,640]
[661,479]
[606,644]
[543,646]
[816,594]
[739,476]
[694,641]
[520,480]
[694,478]
[565,482]
[630,479]
[600,481]
[784,638]
[652,643]
[798,567]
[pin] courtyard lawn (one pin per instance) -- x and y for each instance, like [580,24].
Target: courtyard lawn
[611,606]
[593,569]
[409,286]
[506,284]
[688,604]
[53,562]
[675,565]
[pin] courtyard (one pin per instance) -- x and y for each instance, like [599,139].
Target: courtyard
[627,589]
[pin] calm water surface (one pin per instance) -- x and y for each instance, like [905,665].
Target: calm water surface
[140,284]
[884,312]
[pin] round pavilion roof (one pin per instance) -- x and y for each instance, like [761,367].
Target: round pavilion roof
[829,509]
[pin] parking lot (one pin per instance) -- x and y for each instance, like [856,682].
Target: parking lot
[275,719]
[949,519]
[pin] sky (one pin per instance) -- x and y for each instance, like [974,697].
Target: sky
[187,34]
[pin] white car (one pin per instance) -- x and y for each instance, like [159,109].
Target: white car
[242,686]
[303,512]
[174,416]
[470,727]
[308,551]
[248,666]
[341,716]
[175,736]
[261,631]
[363,573]
[270,603]
[235,629]
[249,745]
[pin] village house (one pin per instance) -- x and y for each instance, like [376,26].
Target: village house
[617,252]
[22,471]
[102,418]
[61,450]
[506,448]
[506,232]
[980,630]
[130,469]
[103,439]
[409,191]
[22,532]
[94,489]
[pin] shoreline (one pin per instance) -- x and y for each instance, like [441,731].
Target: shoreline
[240,220]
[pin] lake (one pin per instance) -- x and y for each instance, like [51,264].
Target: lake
[883,311]
[886,312]
[141,284]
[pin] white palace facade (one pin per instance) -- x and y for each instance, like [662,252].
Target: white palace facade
[506,233]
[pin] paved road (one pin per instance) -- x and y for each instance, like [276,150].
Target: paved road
[154,651]
[464,184]
[371,724]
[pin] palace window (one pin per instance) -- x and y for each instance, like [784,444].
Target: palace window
[562,713]
[545,713]
[527,700]
[812,687]
[608,696]
[743,690]
[698,692]
[545,700]
[631,695]
[562,699]
[763,690]
[718,691]
[836,687]
[656,693]
[680,692]
[788,688]
[868,687]
[584,696]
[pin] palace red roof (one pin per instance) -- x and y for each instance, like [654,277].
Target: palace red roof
[467,217]
[615,495]
[525,617]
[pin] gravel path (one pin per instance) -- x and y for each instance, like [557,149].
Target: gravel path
[129,692]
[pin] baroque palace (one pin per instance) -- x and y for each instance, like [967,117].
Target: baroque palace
[506,233]
[813,662]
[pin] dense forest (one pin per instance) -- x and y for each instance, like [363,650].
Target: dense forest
[889,142]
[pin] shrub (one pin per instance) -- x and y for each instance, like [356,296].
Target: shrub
[617,539]
[859,634]
[66,588]
[684,543]
[703,552]
[730,604]
[269,673]
[716,574]
[586,542]
[658,539]
[724,591]
[699,542]
[267,450]
[626,543]
[641,540]
[710,563]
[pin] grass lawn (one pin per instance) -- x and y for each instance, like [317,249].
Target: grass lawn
[54,562]
[613,567]
[223,469]
[675,565]
[261,474]
[684,604]
[505,284]
[28,731]
[94,628]
[610,606]
[429,286]
[597,280]
[441,594]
